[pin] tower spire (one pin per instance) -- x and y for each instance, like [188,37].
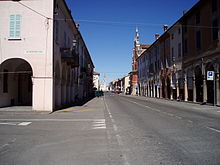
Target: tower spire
[137,37]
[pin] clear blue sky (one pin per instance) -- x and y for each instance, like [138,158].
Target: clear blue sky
[108,28]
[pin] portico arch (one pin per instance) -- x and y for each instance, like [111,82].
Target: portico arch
[199,84]
[57,86]
[16,83]
[210,85]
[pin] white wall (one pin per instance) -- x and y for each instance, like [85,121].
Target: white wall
[96,81]
[35,46]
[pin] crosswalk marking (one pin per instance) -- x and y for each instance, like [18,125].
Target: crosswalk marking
[100,124]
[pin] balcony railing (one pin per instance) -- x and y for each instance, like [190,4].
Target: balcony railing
[70,57]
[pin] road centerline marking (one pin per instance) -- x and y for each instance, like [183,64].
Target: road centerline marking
[8,123]
[213,129]
[24,123]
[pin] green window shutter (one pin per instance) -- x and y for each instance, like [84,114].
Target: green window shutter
[12,26]
[18,26]
[15,26]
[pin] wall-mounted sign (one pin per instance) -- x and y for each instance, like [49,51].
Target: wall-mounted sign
[210,75]
[33,52]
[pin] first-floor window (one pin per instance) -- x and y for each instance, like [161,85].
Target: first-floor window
[15,26]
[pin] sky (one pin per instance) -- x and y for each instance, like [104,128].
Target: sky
[108,28]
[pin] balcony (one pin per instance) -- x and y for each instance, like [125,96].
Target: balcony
[70,57]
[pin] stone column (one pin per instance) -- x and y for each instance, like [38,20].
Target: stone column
[166,92]
[204,89]
[177,89]
[185,87]
[154,92]
[204,83]
[194,88]
[171,87]
[158,94]
[161,87]
[217,85]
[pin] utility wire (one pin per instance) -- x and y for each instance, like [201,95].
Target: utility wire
[34,10]
[117,22]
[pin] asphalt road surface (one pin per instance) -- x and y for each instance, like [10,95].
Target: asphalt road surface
[113,130]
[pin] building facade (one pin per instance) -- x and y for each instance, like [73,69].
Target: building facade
[137,51]
[201,51]
[96,80]
[149,71]
[188,52]
[121,85]
[44,60]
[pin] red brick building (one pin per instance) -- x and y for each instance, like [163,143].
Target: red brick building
[137,51]
[201,51]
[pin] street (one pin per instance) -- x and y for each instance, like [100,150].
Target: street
[113,130]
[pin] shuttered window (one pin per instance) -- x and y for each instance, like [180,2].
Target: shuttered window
[15,26]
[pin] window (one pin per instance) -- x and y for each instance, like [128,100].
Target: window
[5,81]
[198,39]
[178,30]
[172,36]
[15,26]
[179,50]
[214,5]
[215,29]
[197,17]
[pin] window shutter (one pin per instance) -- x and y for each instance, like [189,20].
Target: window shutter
[18,26]
[12,26]
[15,26]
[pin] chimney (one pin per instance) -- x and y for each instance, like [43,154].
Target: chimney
[165,27]
[157,36]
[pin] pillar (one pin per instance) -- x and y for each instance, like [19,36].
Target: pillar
[161,87]
[204,89]
[185,87]
[217,85]
[166,92]
[177,89]
[204,83]
[42,94]
[171,87]
[194,88]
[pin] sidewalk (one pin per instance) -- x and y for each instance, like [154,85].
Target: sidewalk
[190,105]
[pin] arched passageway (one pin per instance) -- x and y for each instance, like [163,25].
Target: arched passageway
[57,86]
[199,84]
[163,88]
[16,88]
[210,85]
